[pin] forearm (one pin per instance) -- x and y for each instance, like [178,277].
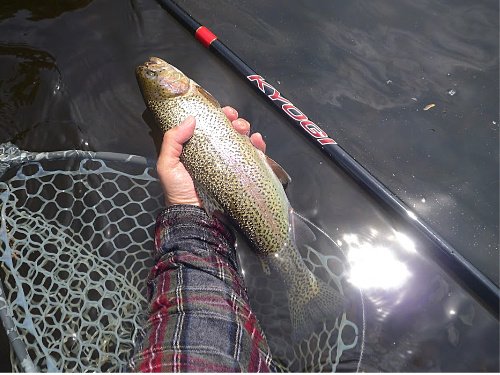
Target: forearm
[199,319]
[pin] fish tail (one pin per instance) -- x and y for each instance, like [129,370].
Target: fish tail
[311,300]
[326,304]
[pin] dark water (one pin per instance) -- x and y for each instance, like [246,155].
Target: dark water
[364,71]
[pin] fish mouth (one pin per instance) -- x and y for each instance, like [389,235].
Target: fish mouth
[157,67]
[157,74]
[154,64]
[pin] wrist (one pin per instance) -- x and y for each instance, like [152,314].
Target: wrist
[180,223]
[189,202]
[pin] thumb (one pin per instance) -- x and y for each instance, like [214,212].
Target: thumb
[174,139]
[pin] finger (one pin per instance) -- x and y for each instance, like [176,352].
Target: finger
[173,140]
[258,142]
[242,126]
[230,112]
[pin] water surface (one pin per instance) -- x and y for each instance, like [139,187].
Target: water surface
[364,71]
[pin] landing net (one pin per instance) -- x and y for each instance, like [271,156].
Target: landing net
[76,238]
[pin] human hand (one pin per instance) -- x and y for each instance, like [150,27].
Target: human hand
[174,178]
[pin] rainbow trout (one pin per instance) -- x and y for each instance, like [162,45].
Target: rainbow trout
[234,177]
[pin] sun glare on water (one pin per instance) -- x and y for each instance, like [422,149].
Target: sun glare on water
[375,266]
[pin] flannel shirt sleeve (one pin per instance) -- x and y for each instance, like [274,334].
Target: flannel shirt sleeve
[199,315]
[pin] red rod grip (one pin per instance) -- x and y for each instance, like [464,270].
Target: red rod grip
[205,36]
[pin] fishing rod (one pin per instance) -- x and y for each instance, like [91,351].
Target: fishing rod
[486,290]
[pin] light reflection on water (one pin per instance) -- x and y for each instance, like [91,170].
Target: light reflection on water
[376,267]
[375,262]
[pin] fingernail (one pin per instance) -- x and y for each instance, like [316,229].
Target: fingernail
[243,122]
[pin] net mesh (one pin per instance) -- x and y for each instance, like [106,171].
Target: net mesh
[76,250]
[76,238]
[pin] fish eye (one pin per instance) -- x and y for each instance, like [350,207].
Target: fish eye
[150,73]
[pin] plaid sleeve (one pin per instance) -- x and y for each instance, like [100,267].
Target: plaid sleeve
[199,316]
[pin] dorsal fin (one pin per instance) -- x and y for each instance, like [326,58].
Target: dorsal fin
[207,95]
[278,170]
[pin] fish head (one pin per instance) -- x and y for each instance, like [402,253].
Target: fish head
[158,80]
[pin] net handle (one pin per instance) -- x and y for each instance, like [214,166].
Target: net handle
[15,340]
